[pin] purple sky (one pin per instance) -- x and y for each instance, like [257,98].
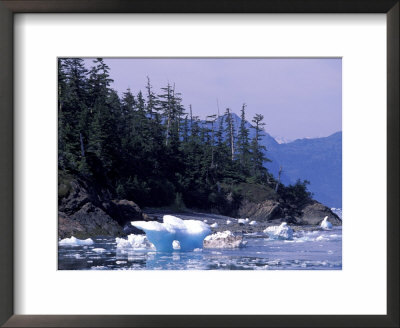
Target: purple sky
[298,97]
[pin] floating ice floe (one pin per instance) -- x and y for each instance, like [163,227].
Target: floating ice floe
[205,221]
[225,239]
[75,242]
[253,223]
[325,224]
[280,232]
[137,242]
[243,221]
[214,225]
[228,222]
[189,233]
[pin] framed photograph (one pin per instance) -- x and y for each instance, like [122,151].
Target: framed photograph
[206,164]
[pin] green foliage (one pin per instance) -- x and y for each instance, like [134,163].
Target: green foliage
[64,184]
[144,147]
[296,194]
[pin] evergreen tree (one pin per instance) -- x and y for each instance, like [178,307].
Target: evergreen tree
[150,151]
[257,149]
[230,132]
[244,143]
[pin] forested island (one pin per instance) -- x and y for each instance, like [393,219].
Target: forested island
[120,158]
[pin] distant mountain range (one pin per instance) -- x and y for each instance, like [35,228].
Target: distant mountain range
[318,160]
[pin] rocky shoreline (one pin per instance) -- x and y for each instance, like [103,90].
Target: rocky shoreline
[85,210]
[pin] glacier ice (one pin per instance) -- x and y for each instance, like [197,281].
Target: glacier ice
[189,233]
[75,242]
[214,225]
[325,224]
[280,232]
[225,239]
[253,223]
[138,242]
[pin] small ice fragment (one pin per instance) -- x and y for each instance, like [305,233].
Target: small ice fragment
[138,242]
[176,244]
[214,225]
[253,223]
[325,224]
[228,222]
[280,232]
[121,262]
[205,221]
[98,250]
[243,221]
[224,239]
[75,242]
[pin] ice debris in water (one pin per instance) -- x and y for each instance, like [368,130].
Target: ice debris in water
[138,242]
[228,222]
[280,232]
[253,223]
[225,239]
[243,221]
[325,224]
[214,225]
[189,233]
[75,242]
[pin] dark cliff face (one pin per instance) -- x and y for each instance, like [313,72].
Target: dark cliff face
[85,210]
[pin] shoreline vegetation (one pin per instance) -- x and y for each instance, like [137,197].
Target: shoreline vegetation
[134,157]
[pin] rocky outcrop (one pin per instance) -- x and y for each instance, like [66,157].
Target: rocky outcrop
[124,211]
[86,210]
[88,221]
[314,212]
[266,210]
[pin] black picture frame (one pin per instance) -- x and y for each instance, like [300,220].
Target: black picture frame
[10,7]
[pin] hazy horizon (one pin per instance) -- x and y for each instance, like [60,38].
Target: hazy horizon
[299,97]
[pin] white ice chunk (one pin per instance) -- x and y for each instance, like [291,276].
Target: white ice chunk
[205,221]
[98,250]
[176,244]
[75,242]
[224,239]
[280,232]
[325,224]
[228,222]
[243,221]
[138,242]
[253,223]
[214,225]
[189,233]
